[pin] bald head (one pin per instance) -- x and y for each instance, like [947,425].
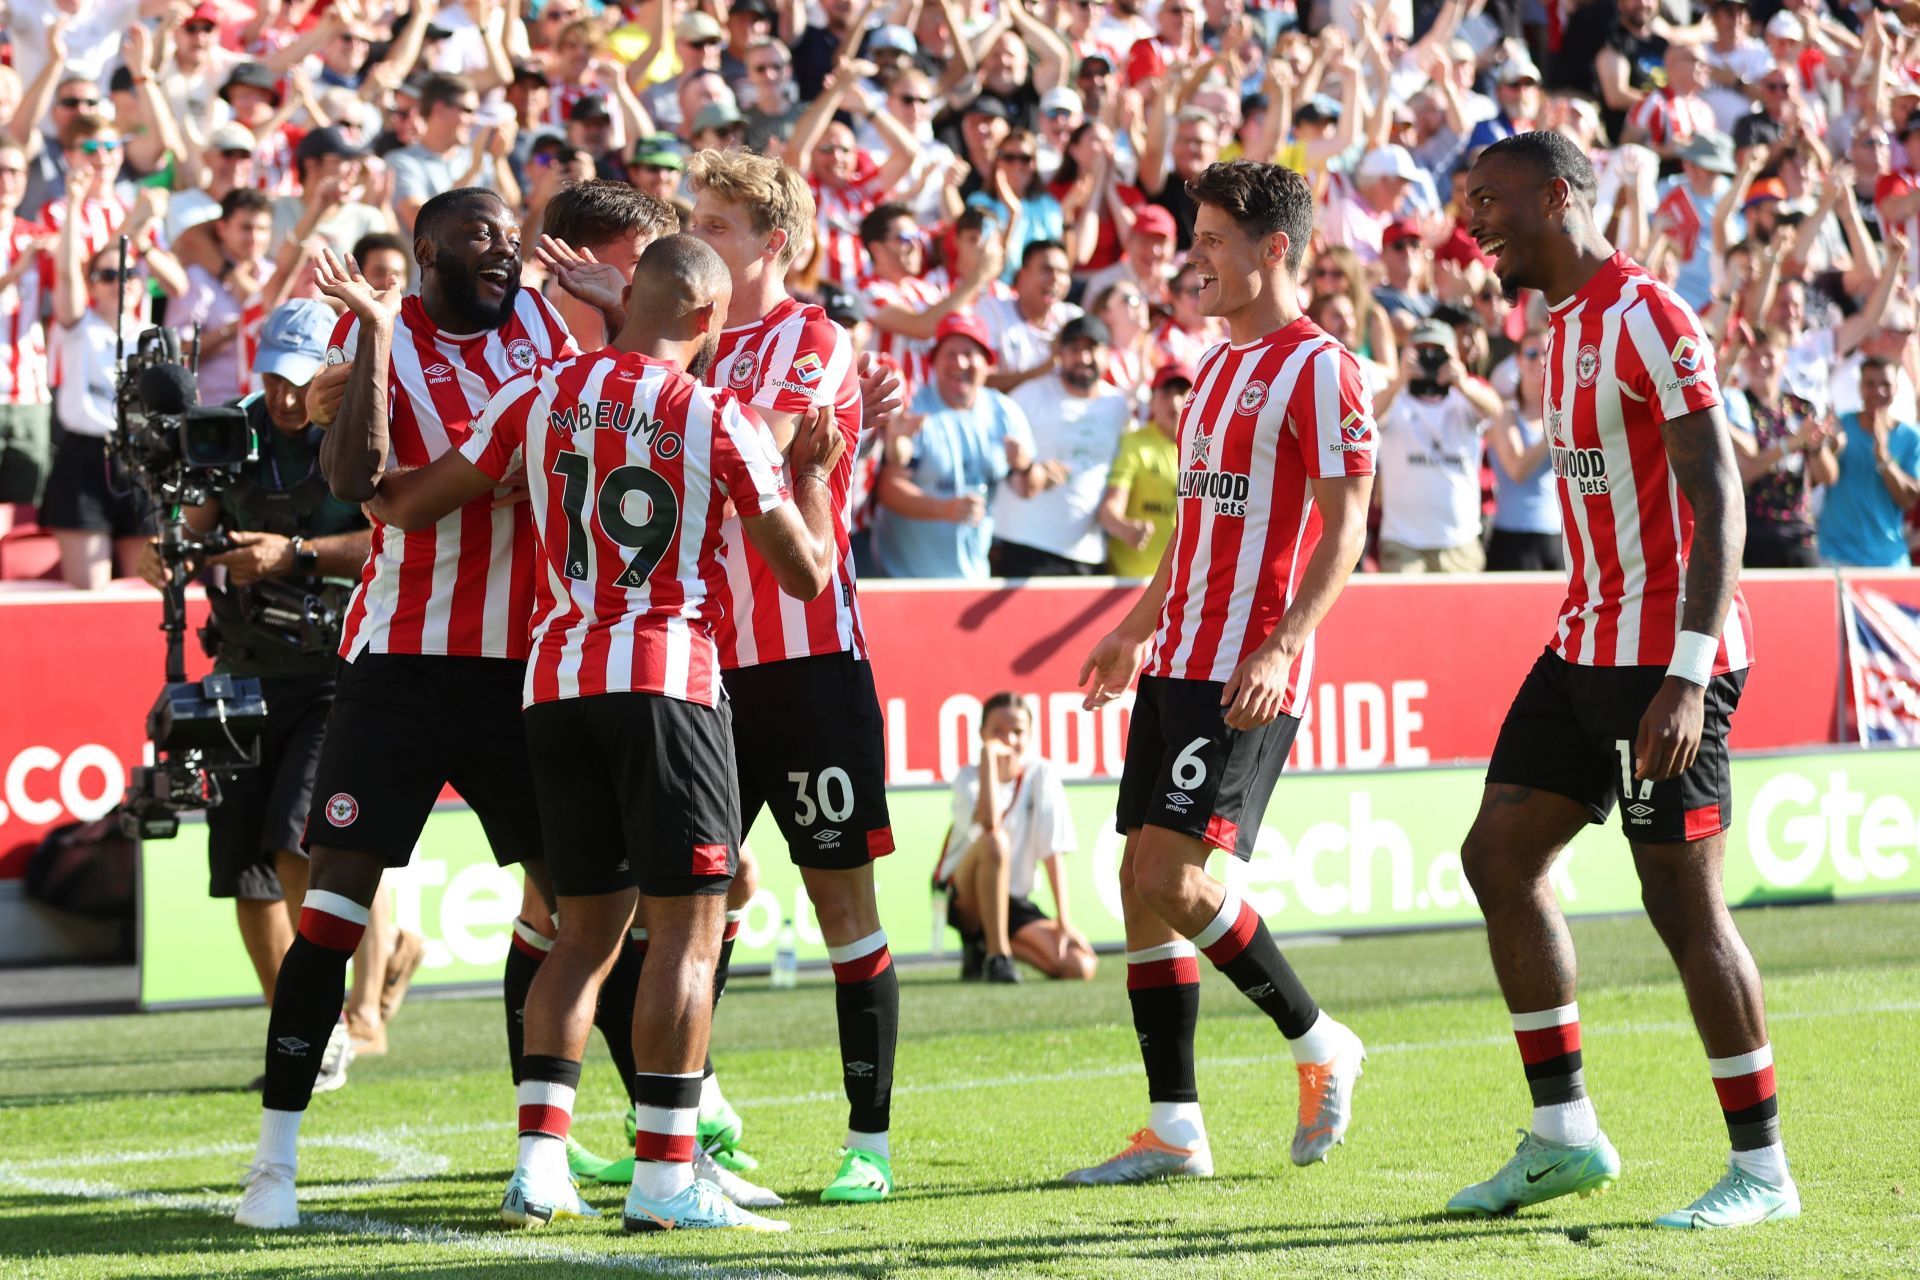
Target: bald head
[679,298]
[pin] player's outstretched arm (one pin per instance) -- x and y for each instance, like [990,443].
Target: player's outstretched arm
[1259,684]
[798,540]
[1700,452]
[422,497]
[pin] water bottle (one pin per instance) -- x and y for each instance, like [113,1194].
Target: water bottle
[786,959]
[937,944]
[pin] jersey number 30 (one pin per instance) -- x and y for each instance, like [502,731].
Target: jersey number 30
[648,539]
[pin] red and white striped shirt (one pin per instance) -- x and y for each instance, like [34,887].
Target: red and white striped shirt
[100,221]
[630,466]
[910,356]
[792,360]
[1625,355]
[1264,421]
[1172,344]
[1671,119]
[838,211]
[23,334]
[463,588]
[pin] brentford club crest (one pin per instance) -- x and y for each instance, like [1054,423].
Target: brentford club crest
[1587,364]
[342,809]
[740,377]
[521,355]
[1253,397]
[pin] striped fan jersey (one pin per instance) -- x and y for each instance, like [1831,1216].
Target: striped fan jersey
[1625,355]
[1264,421]
[100,222]
[463,588]
[1671,119]
[630,468]
[791,360]
[911,356]
[23,335]
[843,259]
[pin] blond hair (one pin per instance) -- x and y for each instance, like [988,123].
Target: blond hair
[775,196]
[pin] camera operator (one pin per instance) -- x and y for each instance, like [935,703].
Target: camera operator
[1432,420]
[289,539]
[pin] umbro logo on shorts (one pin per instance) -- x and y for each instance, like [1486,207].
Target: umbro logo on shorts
[862,1070]
[828,838]
[292,1045]
[1179,801]
[1640,812]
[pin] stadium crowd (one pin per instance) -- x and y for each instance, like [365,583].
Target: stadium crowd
[1002,216]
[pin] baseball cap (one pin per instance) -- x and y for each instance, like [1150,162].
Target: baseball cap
[698,27]
[1152,220]
[1784,26]
[1096,53]
[1432,333]
[232,137]
[531,73]
[592,106]
[1390,161]
[894,38]
[1084,328]
[661,151]
[985,106]
[1765,189]
[1710,151]
[203,13]
[1398,231]
[1172,373]
[293,341]
[963,324]
[1061,98]
[1514,70]
[717,115]
[329,141]
[252,75]
[751,8]
[1318,109]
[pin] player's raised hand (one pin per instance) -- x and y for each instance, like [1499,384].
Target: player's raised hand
[600,285]
[1110,669]
[1257,687]
[343,282]
[1669,737]
[880,398]
[817,443]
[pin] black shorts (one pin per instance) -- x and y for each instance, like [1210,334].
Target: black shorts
[1513,551]
[264,810]
[89,493]
[403,726]
[636,790]
[1021,912]
[1571,731]
[1017,560]
[811,746]
[1188,772]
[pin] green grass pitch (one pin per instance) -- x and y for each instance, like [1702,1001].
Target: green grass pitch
[122,1139]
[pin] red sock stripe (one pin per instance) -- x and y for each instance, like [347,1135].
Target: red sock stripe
[526,948]
[1143,975]
[329,931]
[669,1148]
[1548,1042]
[539,1118]
[1737,1093]
[731,932]
[1234,940]
[860,968]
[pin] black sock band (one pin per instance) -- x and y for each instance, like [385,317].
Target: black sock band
[523,961]
[1240,946]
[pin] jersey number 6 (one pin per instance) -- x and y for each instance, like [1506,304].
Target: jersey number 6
[648,539]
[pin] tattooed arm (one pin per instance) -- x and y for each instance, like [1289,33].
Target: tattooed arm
[1700,451]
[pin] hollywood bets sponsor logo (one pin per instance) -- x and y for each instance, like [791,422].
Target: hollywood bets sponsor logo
[1226,490]
[740,377]
[1583,470]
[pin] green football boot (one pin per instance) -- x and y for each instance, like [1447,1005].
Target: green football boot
[863,1178]
[1540,1171]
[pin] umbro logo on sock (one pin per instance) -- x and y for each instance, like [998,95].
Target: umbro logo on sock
[860,1069]
[1260,992]
[293,1045]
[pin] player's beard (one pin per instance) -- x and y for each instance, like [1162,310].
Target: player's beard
[463,295]
[703,358]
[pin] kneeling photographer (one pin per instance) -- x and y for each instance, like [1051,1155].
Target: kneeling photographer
[279,555]
[1432,422]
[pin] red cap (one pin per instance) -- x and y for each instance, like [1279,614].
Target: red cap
[1766,189]
[1152,220]
[1398,231]
[205,13]
[964,324]
[1171,373]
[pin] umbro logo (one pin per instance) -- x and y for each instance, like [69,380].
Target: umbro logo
[293,1046]
[862,1070]
[438,370]
[1260,992]
[1179,801]
[1639,812]
[827,838]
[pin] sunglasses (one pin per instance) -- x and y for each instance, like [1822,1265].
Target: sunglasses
[112,275]
[1774,86]
[774,69]
[94,146]
[704,42]
[1016,157]
[1060,113]
[1329,273]
[199,28]
[901,238]
[1533,353]
[914,100]
[78,104]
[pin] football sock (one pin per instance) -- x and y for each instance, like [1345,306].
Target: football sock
[279,1137]
[1239,945]
[664,1136]
[545,1095]
[1745,1085]
[614,1014]
[1163,986]
[874,1142]
[308,997]
[524,954]
[1549,1042]
[1320,1042]
[866,997]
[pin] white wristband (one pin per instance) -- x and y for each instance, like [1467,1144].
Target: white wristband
[1693,656]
